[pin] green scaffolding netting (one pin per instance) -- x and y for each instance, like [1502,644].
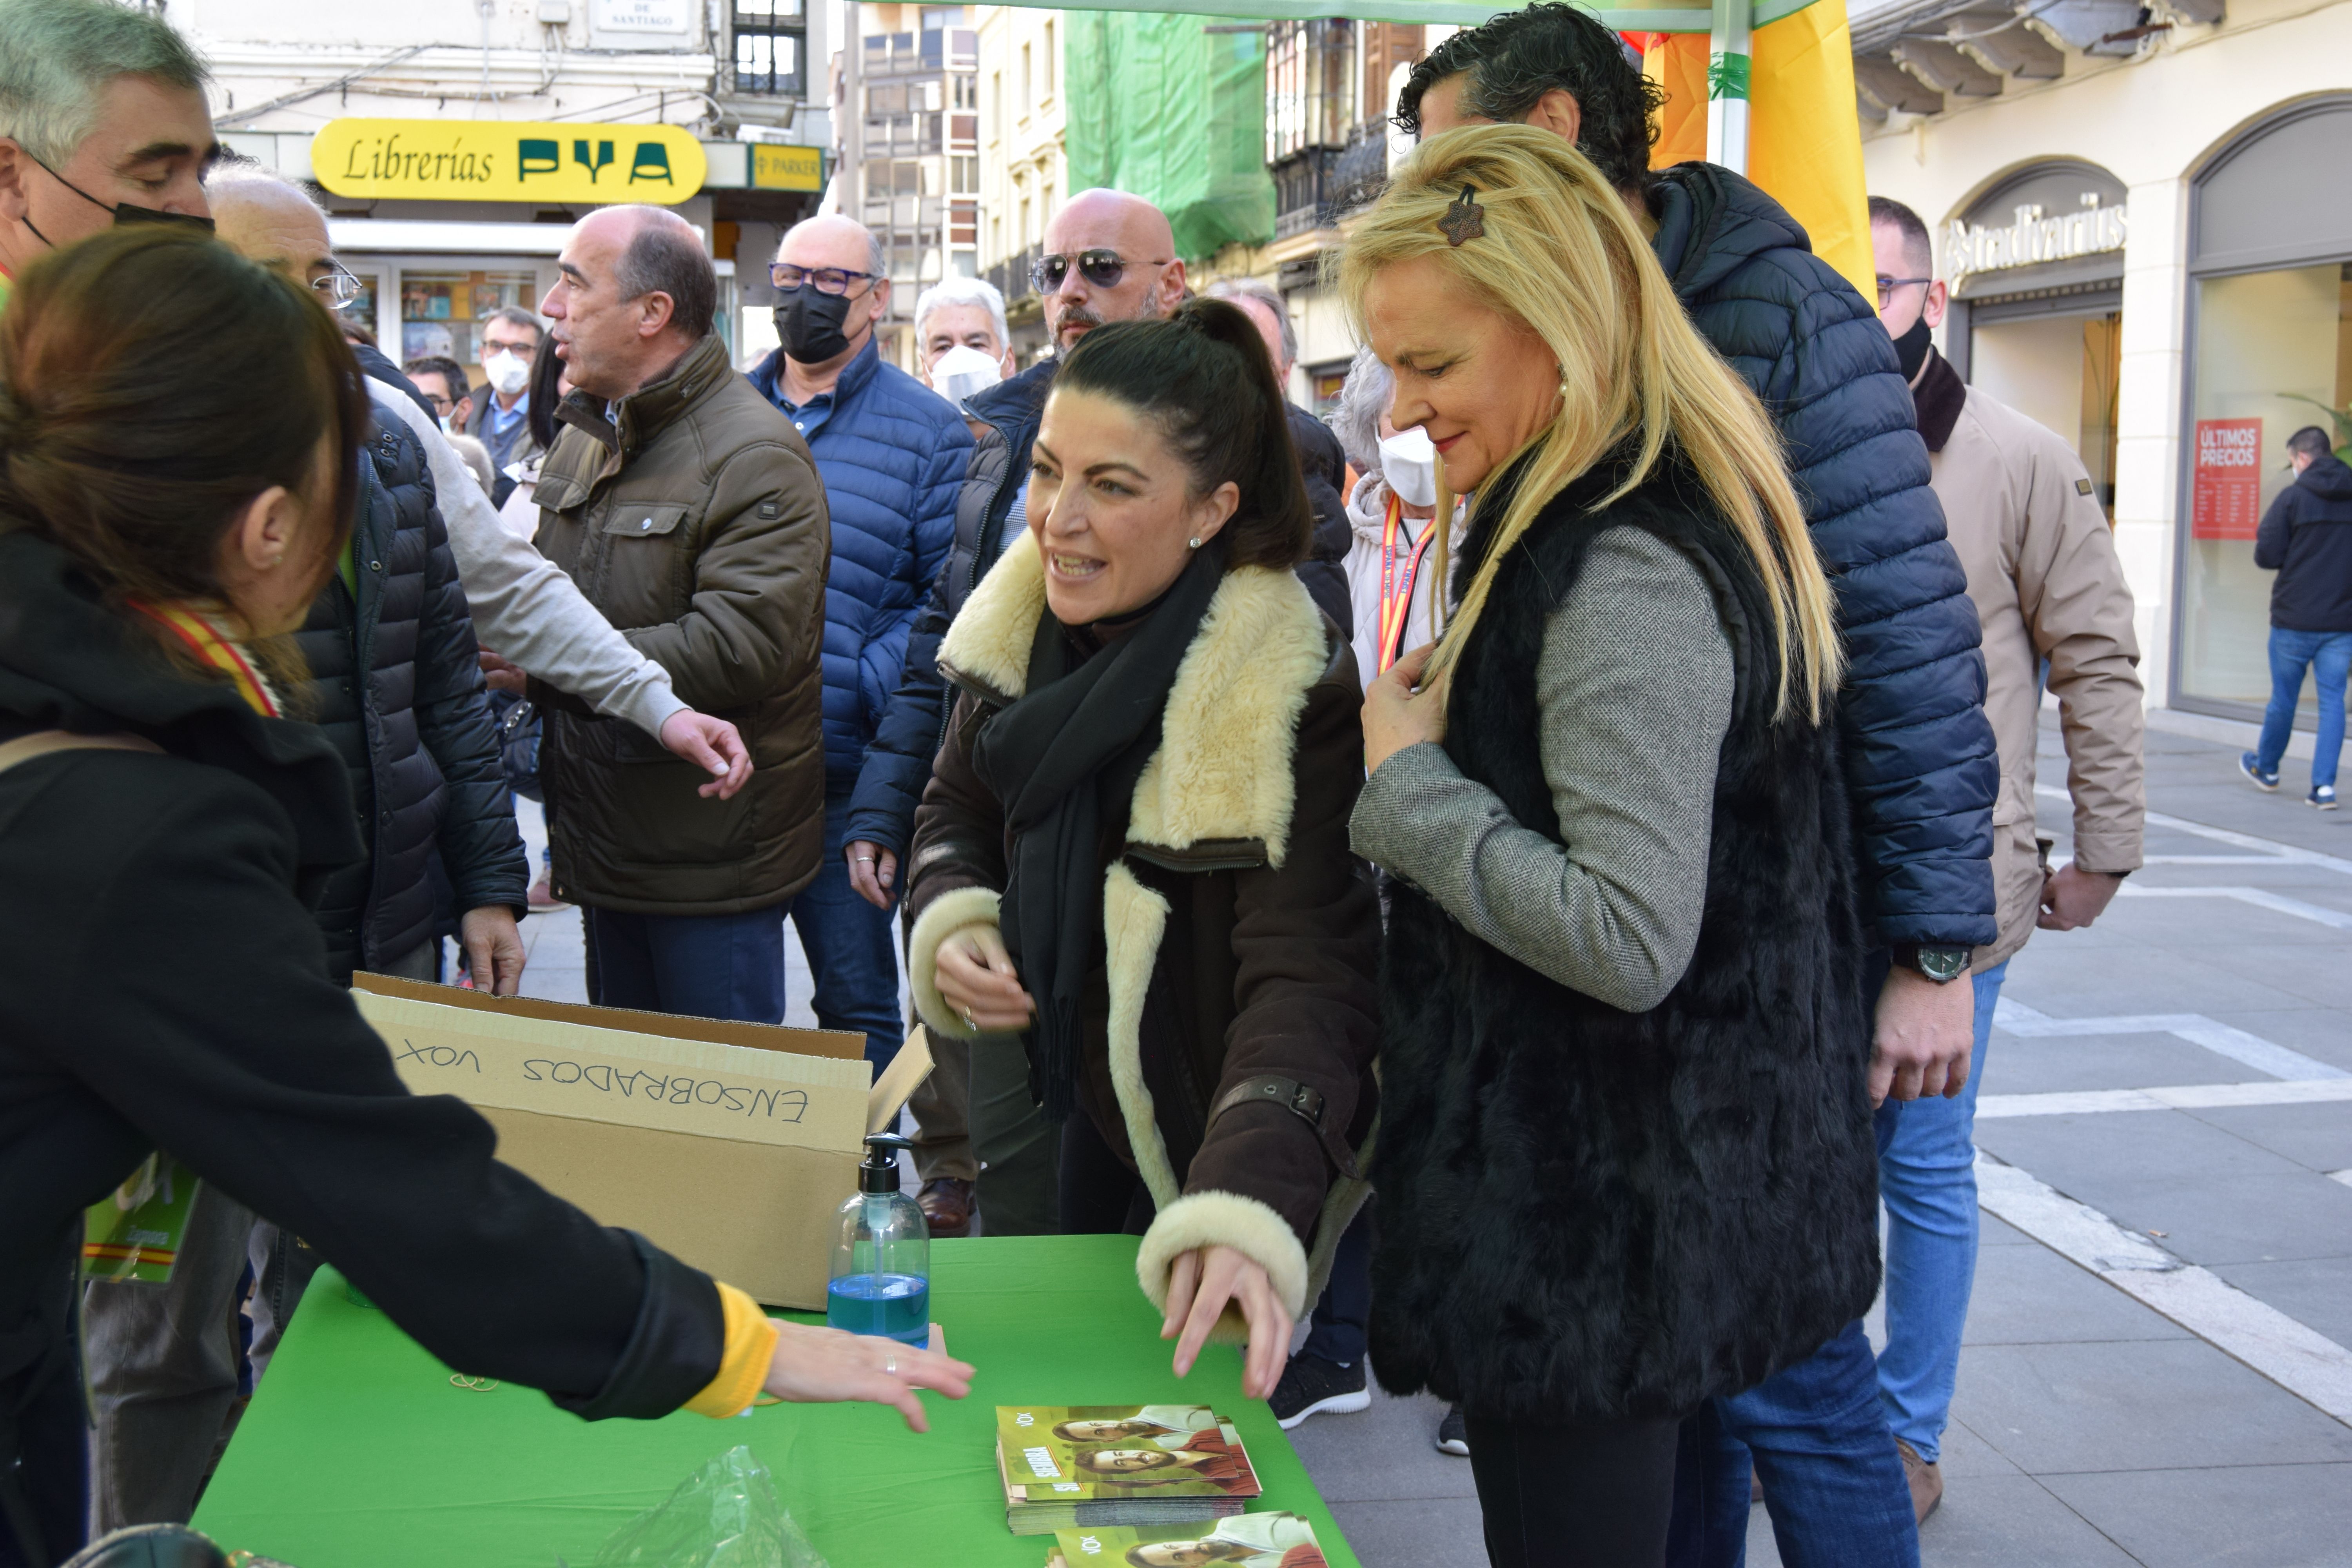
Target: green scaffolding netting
[1172,109]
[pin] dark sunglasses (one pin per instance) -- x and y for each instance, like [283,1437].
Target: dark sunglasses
[1103,269]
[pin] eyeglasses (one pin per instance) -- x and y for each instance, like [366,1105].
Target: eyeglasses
[1103,269]
[828,280]
[1886,286]
[338,288]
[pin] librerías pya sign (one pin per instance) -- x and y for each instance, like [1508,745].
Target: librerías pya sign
[2032,237]
[507,160]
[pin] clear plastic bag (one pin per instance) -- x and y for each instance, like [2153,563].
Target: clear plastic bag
[725,1515]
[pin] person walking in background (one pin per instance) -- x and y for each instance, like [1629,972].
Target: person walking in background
[891,456]
[1918,752]
[686,507]
[1322,463]
[1134,847]
[1109,256]
[392,679]
[2306,538]
[157,545]
[500,417]
[1625,1162]
[2043,570]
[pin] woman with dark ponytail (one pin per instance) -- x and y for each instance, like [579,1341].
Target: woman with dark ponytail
[1134,844]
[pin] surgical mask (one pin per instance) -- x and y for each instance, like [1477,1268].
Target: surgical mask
[808,323]
[1408,465]
[963,372]
[508,371]
[1911,348]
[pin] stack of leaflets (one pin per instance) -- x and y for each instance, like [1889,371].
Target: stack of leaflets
[1070,1465]
[1260,1540]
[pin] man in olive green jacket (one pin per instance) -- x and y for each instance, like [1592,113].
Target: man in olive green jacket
[2027,523]
[688,511]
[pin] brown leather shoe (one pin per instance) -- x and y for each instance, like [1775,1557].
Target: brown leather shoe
[1927,1480]
[947,1205]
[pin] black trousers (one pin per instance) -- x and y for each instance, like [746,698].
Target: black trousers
[1591,1494]
[1099,1195]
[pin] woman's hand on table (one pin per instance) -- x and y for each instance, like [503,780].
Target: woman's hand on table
[1199,1286]
[976,977]
[1396,716]
[817,1366]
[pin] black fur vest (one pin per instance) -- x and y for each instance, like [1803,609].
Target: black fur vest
[1587,1213]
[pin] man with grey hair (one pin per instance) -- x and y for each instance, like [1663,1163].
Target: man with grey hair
[892,457]
[102,120]
[962,313]
[500,419]
[1322,463]
[687,508]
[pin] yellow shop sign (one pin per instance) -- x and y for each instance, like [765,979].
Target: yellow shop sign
[507,160]
[784,168]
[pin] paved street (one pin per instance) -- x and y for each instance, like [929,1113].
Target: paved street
[2156,1370]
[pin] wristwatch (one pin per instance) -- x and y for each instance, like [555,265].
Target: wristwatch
[1941,964]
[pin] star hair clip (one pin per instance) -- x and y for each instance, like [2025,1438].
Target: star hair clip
[1465,219]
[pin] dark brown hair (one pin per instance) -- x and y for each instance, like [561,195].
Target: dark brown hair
[1204,377]
[151,384]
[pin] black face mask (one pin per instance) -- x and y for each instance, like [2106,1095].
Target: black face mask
[124,212]
[809,322]
[1911,348]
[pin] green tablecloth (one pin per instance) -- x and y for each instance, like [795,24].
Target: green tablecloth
[358,1452]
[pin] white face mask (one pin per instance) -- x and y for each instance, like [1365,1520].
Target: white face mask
[1409,464]
[507,372]
[963,372]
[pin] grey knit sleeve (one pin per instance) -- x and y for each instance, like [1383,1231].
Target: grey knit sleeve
[1635,689]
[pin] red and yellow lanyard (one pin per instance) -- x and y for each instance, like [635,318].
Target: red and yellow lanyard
[1396,596]
[206,642]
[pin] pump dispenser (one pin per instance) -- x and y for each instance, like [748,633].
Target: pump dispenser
[881,1281]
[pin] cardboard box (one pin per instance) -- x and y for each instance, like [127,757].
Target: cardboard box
[730,1146]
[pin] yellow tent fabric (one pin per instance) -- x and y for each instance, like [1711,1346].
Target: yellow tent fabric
[1804,135]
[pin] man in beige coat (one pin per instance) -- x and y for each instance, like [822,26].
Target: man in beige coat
[2041,558]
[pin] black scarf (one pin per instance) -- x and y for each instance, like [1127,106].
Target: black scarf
[1063,760]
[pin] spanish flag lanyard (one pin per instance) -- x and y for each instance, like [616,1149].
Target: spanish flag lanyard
[1396,596]
[205,641]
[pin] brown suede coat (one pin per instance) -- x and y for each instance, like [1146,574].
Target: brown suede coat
[695,522]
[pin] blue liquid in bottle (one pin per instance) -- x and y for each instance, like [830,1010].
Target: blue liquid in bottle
[892,1306]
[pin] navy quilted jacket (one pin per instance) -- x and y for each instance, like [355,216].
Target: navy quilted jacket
[1918,750]
[892,457]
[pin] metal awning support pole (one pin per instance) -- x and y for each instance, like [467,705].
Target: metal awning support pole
[1727,84]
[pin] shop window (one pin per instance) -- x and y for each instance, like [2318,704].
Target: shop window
[442,313]
[2274,355]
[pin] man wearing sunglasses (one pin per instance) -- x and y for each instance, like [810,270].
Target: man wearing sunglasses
[102,120]
[1108,257]
[891,455]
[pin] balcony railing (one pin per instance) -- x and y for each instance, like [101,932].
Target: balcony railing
[1314,188]
[1011,276]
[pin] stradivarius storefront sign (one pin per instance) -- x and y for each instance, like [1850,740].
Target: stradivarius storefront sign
[2032,235]
[507,160]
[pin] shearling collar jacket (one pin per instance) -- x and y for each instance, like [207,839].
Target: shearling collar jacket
[1239,932]
[2042,569]
[692,519]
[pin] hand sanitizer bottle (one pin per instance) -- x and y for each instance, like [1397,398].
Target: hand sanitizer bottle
[881,1254]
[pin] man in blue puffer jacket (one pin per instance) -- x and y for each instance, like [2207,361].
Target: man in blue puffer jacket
[1921,763]
[892,455]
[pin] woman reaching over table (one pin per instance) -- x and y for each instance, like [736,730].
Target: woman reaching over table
[1628,1162]
[162,980]
[1134,842]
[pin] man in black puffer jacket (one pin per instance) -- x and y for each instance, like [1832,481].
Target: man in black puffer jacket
[1918,754]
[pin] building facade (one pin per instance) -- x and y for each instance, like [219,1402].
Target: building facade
[1023,173]
[2145,215]
[454,143]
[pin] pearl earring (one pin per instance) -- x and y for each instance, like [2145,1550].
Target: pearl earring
[1195,544]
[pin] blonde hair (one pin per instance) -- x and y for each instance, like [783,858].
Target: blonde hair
[1561,254]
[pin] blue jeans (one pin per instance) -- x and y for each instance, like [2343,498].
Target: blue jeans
[852,951]
[699,967]
[1927,1179]
[2330,657]
[1831,1479]
[1345,1312]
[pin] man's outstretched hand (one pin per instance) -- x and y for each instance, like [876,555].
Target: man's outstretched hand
[711,744]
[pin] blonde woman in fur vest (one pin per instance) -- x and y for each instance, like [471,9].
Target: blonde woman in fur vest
[1627,1162]
[1134,849]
